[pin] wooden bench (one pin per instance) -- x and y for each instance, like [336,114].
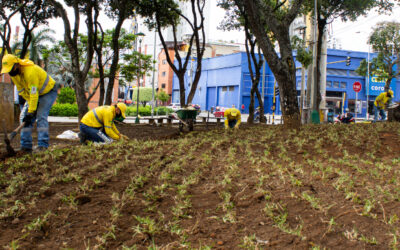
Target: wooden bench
[151,121]
[204,119]
[218,121]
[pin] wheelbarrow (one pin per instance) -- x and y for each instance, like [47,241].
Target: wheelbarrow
[186,117]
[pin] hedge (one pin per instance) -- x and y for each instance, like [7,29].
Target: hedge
[146,111]
[67,109]
[64,109]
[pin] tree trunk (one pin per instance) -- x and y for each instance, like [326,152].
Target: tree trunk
[114,64]
[81,96]
[250,118]
[25,43]
[182,92]
[321,28]
[282,66]
[261,103]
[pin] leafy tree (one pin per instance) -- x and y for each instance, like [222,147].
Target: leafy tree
[104,54]
[59,65]
[385,40]
[131,68]
[269,21]
[36,47]
[145,95]
[167,13]
[7,10]
[327,11]
[163,96]
[90,9]
[119,10]
[236,18]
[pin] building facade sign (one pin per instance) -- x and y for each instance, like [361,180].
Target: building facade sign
[377,86]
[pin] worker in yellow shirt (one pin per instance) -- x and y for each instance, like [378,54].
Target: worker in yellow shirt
[40,93]
[232,118]
[380,103]
[98,124]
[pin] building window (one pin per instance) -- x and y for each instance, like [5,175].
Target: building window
[164,61]
[336,84]
[329,84]
[163,85]
[343,85]
[224,89]
[231,88]
[163,73]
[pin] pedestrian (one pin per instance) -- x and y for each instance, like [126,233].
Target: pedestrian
[38,89]
[381,101]
[98,125]
[232,118]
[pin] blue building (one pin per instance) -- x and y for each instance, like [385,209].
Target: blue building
[225,81]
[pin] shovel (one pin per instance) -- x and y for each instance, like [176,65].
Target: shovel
[10,150]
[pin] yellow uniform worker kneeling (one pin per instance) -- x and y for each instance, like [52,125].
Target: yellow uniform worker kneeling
[380,103]
[98,124]
[232,118]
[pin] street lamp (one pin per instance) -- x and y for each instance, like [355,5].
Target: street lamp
[139,35]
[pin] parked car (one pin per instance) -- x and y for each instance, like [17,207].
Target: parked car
[174,106]
[219,112]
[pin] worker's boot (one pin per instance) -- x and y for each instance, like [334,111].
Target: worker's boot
[82,138]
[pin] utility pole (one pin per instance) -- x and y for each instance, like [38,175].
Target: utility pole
[324,59]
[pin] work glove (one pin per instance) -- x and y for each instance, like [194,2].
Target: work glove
[28,119]
[124,137]
[236,127]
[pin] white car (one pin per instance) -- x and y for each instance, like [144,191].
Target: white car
[174,106]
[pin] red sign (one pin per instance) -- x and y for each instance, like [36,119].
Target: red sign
[357,87]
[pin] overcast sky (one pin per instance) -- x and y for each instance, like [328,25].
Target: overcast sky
[351,35]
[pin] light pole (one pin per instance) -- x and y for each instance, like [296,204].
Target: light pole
[140,35]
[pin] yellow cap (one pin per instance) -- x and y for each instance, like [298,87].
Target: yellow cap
[122,107]
[391,92]
[234,112]
[8,62]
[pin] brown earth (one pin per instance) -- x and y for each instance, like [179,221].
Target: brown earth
[262,187]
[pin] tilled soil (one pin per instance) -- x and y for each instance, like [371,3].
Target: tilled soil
[262,187]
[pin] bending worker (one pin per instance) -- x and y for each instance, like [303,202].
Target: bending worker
[98,124]
[37,88]
[381,101]
[232,118]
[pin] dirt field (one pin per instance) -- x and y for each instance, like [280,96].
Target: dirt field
[262,187]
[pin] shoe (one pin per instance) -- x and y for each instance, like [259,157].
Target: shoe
[82,138]
[26,150]
[40,149]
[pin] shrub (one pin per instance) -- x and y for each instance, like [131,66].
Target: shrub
[146,111]
[66,95]
[64,109]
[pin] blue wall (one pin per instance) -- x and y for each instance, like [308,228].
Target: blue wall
[225,81]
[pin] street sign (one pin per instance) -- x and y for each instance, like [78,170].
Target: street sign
[357,87]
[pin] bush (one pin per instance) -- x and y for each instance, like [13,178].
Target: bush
[66,95]
[146,111]
[64,109]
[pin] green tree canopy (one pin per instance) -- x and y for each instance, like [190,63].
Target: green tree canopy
[162,96]
[385,40]
[145,95]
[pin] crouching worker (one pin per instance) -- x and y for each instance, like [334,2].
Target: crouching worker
[232,118]
[98,124]
[40,93]
[380,104]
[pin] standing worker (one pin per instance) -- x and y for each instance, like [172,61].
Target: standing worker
[37,88]
[98,124]
[381,101]
[232,118]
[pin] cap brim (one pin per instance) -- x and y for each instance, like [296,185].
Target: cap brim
[123,115]
[6,69]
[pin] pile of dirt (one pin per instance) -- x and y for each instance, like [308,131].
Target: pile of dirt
[326,186]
